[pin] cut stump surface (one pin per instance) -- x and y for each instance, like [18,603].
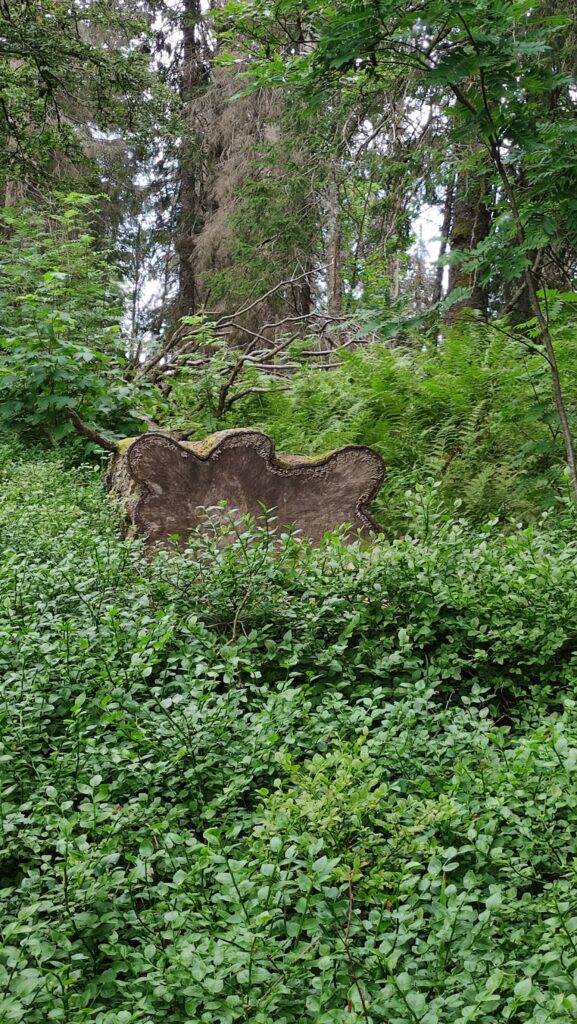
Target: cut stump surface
[166,485]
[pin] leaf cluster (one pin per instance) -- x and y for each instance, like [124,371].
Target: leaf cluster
[60,343]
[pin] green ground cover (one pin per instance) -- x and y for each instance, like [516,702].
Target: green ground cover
[318,786]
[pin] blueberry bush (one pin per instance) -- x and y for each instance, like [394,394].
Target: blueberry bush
[275,784]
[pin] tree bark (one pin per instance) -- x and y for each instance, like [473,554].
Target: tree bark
[334,244]
[471,223]
[193,81]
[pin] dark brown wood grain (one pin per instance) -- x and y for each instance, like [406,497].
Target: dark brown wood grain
[168,486]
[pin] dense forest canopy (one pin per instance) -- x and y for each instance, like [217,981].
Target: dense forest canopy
[269,782]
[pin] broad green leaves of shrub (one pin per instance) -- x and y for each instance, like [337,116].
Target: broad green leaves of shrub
[60,346]
[325,786]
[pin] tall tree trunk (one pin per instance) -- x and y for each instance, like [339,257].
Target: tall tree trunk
[437,294]
[421,279]
[193,82]
[471,223]
[334,244]
[14,191]
[516,301]
[302,296]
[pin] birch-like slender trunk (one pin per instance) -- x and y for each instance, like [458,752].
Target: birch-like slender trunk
[334,244]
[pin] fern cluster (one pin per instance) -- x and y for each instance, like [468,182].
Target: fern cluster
[474,414]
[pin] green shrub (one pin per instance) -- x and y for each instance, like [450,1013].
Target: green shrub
[328,785]
[60,344]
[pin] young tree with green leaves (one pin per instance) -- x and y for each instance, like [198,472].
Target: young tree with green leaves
[61,348]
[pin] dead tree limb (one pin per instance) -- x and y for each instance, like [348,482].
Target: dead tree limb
[282,284]
[92,435]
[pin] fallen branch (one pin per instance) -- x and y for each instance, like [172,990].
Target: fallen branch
[329,351]
[254,391]
[93,435]
[271,291]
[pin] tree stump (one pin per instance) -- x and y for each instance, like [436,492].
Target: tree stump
[166,486]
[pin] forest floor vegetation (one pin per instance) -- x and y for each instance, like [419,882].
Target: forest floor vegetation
[285,784]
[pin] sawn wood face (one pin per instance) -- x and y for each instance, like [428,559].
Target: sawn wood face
[179,481]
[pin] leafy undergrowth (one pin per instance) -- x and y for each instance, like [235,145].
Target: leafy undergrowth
[318,786]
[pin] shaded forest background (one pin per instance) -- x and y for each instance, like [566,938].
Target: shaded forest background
[214,217]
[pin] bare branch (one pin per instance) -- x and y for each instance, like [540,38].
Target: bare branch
[267,355]
[92,435]
[306,316]
[271,291]
[329,351]
[254,391]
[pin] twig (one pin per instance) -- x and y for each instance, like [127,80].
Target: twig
[266,356]
[271,291]
[348,949]
[254,391]
[329,351]
[307,316]
[93,435]
[246,330]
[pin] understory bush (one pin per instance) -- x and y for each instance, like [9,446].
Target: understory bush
[274,784]
[60,341]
